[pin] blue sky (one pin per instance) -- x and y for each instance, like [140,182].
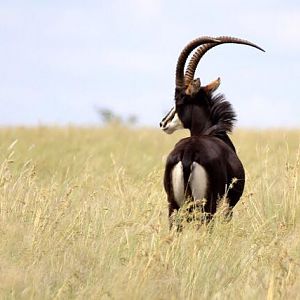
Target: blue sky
[61,59]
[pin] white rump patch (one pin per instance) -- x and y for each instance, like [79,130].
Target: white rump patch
[178,183]
[198,182]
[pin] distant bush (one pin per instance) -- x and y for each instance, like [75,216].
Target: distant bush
[107,116]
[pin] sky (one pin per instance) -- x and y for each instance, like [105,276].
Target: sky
[60,60]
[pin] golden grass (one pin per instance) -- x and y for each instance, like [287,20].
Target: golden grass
[83,215]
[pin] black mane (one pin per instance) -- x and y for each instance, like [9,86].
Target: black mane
[205,113]
[222,115]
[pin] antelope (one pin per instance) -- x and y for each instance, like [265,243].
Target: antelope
[204,167]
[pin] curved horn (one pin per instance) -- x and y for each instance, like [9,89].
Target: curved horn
[191,69]
[184,55]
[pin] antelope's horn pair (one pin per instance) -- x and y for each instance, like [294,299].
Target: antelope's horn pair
[204,43]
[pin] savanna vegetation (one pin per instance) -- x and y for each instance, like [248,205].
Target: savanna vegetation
[83,215]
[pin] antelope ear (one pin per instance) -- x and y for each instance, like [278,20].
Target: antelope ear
[211,87]
[193,87]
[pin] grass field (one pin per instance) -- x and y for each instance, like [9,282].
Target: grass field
[83,215]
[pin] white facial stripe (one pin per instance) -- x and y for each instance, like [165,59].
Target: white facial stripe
[168,118]
[171,122]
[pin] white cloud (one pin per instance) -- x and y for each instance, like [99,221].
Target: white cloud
[133,61]
[70,52]
[278,27]
[146,8]
[265,111]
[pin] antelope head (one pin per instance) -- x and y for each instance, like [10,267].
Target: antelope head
[192,108]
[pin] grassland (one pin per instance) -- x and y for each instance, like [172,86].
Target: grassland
[83,215]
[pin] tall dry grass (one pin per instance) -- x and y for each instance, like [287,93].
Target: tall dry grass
[83,215]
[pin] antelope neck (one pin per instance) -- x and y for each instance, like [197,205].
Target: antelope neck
[199,125]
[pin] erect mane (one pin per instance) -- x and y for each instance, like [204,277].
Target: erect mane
[222,115]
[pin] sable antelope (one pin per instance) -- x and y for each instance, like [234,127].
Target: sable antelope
[204,165]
